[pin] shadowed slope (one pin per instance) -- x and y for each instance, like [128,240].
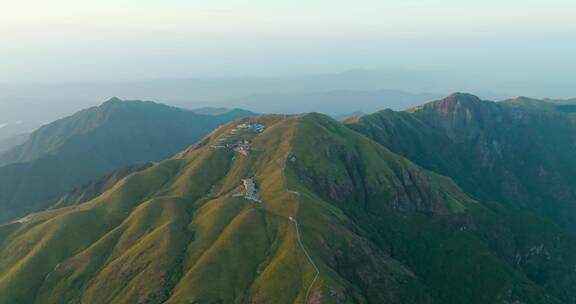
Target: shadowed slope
[519,152]
[74,150]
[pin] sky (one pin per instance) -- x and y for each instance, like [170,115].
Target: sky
[124,40]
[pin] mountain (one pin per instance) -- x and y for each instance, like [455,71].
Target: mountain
[96,187]
[331,93]
[12,141]
[210,110]
[24,115]
[12,131]
[74,150]
[285,209]
[345,116]
[561,101]
[122,120]
[519,152]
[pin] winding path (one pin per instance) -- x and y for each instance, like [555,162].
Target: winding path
[295,221]
[309,259]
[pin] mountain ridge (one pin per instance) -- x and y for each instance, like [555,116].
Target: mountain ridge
[74,150]
[377,227]
[516,152]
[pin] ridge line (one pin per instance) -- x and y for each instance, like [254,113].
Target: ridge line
[293,220]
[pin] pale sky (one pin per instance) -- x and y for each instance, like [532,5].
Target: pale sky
[115,40]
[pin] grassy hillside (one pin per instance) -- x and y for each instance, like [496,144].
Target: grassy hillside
[96,187]
[72,151]
[519,152]
[341,220]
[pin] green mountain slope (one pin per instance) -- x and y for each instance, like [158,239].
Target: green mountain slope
[519,152]
[333,218]
[74,150]
[96,187]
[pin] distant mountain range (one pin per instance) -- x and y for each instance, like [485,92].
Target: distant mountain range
[38,111]
[333,102]
[334,94]
[455,201]
[71,151]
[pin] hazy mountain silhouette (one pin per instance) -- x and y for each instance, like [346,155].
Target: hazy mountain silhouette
[71,151]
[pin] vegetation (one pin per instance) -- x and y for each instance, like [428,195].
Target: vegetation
[72,151]
[379,228]
[519,152]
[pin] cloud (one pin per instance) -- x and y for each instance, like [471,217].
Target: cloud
[2,125]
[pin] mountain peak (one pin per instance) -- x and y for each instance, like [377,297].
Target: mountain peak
[93,141]
[452,101]
[457,100]
[462,96]
[111,101]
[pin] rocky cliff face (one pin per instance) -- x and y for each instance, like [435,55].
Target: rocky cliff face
[513,152]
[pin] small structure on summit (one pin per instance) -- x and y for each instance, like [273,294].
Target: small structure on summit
[237,138]
[291,157]
[24,220]
[250,190]
[256,127]
[242,147]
